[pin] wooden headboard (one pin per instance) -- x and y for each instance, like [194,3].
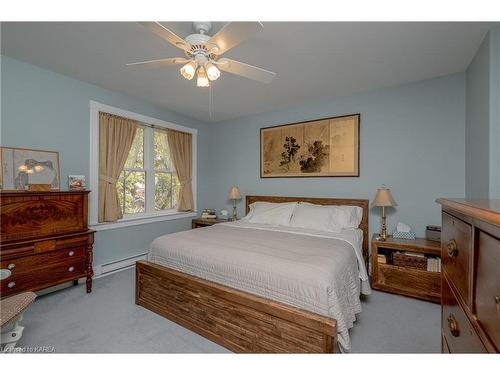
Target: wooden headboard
[363,203]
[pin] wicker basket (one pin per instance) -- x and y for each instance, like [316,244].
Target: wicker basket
[404,260]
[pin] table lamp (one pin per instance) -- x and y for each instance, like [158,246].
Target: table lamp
[383,198]
[234,195]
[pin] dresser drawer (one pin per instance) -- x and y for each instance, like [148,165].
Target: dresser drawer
[34,262]
[444,346]
[456,328]
[456,253]
[487,289]
[26,215]
[43,277]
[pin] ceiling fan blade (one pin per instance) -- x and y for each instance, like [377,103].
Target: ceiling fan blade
[245,70]
[164,33]
[152,64]
[233,34]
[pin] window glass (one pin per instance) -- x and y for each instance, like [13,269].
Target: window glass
[162,160]
[166,190]
[136,155]
[132,191]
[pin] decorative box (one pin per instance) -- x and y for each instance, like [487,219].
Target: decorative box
[433,233]
[405,260]
[404,235]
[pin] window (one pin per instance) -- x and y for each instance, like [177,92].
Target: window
[138,173]
[148,187]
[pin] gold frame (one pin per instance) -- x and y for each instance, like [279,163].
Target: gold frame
[303,127]
[58,170]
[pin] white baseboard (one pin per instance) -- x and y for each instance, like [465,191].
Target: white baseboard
[105,269]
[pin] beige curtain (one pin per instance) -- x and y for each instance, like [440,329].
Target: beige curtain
[116,135]
[180,145]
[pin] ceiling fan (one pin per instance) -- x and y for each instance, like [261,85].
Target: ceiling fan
[203,52]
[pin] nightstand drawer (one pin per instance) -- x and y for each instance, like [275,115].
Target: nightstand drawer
[456,253]
[200,223]
[410,282]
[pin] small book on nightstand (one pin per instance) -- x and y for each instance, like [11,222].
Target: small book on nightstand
[382,258]
[208,213]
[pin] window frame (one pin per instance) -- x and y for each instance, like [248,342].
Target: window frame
[138,218]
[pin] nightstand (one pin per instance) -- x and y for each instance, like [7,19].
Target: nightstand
[405,280]
[199,222]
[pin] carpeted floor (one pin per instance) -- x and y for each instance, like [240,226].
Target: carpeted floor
[108,321]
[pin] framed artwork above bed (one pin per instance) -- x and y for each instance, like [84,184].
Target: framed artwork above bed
[320,148]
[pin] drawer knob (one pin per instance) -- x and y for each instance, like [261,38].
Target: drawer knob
[71,253]
[71,269]
[12,284]
[453,325]
[452,248]
[11,266]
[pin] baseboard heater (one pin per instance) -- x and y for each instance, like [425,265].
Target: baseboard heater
[118,265]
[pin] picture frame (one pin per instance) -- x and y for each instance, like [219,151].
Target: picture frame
[76,182]
[22,167]
[328,147]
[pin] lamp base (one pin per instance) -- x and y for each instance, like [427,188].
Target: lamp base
[235,214]
[382,237]
[383,227]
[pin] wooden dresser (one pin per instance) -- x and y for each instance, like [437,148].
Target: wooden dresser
[470,253]
[44,240]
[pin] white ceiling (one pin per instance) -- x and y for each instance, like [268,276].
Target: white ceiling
[312,60]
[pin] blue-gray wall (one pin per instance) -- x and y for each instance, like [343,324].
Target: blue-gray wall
[45,110]
[412,140]
[495,113]
[477,128]
[482,129]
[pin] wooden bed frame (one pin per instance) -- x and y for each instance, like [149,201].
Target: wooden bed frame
[237,320]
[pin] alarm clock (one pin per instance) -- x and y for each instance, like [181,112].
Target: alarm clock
[224,214]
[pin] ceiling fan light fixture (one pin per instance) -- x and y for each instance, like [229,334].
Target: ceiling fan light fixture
[202,80]
[212,71]
[188,71]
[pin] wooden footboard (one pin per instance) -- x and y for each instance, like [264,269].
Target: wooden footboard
[239,321]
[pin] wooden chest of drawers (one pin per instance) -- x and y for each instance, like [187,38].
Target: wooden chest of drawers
[470,252]
[44,240]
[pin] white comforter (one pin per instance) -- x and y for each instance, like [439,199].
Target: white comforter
[317,271]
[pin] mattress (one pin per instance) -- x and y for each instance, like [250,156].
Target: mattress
[321,272]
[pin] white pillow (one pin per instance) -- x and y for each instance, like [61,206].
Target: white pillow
[312,216]
[341,217]
[271,213]
[349,216]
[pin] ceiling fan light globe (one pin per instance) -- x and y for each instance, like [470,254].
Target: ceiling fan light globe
[213,72]
[188,71]
[202,80]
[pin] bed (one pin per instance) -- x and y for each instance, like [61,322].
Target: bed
[257,288]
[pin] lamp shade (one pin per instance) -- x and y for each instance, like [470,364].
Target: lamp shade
[383,198]
[234,193]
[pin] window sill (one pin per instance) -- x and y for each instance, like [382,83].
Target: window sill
[143,219]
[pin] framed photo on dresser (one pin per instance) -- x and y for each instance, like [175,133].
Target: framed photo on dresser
[320,148]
